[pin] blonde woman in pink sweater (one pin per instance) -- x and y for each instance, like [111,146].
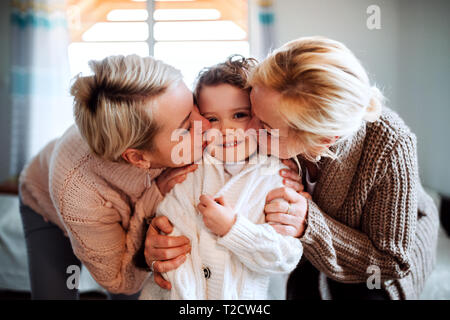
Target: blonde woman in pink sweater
[101,181]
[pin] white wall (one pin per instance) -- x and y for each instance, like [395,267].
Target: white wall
[345,21]
[424,86]
[408,58]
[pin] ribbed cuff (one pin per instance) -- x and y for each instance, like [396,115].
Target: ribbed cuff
[241,235]
[314,219]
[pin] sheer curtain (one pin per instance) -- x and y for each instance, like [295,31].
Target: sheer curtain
[40,78]
[262,20]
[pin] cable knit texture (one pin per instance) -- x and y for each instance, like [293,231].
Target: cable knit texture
[240,263]
[369,208]
[100,205]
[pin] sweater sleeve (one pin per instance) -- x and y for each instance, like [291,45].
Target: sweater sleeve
[344,253]
[261,248]
[104,245]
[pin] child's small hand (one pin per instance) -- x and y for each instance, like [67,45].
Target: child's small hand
[217,215]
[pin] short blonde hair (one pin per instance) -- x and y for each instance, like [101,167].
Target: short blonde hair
[108,105]
[325,91]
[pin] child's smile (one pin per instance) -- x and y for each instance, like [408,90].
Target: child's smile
[228,110]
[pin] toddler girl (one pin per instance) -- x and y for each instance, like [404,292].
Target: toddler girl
[219,207]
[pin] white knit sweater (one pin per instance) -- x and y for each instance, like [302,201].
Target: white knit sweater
[239,264]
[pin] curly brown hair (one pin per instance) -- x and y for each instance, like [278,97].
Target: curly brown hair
[234,71]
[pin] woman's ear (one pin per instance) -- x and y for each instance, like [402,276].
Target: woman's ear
[137,158]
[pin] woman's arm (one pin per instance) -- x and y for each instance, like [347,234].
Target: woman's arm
[103,244]
[344,253]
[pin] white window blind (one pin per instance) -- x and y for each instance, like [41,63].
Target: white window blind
[189,34]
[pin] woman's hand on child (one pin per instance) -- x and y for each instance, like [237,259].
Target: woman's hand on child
[217,215]
[292,179]
[288,215]
[164,252]
[171,176]
[291,176]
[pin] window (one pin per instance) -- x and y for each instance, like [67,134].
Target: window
[193,34]
[189,34]
[99,28]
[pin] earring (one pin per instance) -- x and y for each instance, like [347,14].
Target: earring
[148,179]
[318,158]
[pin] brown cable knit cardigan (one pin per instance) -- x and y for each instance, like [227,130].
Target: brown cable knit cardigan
[369,208]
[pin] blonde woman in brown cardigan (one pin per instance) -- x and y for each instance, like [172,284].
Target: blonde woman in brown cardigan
[369,218]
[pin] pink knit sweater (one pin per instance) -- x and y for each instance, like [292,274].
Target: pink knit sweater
[100,205]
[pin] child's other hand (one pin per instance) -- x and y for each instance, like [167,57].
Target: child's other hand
[217,215]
